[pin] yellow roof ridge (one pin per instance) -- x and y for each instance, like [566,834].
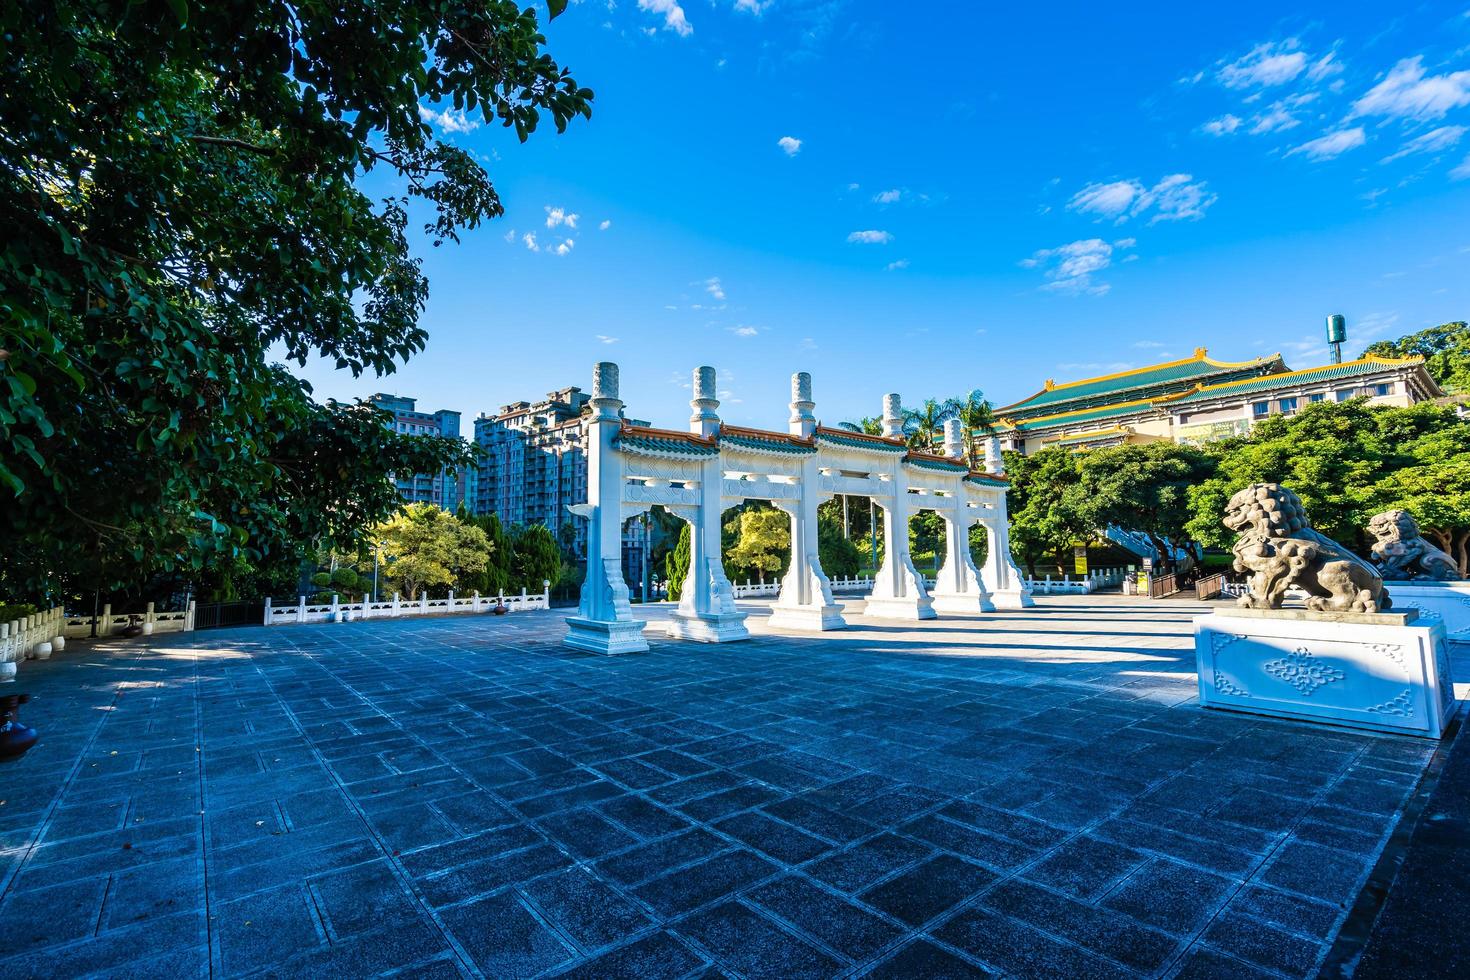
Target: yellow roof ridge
[1201,355]
[1365,359]
[1093,408]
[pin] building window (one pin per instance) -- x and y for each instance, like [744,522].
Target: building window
[1261,409]
[1287,406]
[1183,419]
[1319,396]
[1380,391]
[1344,395]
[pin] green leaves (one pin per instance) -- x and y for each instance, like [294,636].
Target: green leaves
[181,194]
[555,8]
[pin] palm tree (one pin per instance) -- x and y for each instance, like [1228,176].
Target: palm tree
[867,426]
[925,424]
[978,420]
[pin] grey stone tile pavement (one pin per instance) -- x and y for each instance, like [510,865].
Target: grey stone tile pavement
[1033,793]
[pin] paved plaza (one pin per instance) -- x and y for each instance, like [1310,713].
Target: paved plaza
[1034,793]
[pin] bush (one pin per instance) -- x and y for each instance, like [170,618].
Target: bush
[535,558]
[16,610]
[322,580]
[840,557]
[676,565]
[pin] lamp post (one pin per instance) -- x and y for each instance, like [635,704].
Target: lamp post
[377,547]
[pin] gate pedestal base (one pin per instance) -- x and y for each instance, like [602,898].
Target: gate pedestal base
[709,628]
[596,636]
[909,608]
[810,619]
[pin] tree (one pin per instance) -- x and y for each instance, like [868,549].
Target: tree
[926,533]
[183,198]
[1445,349]
[1349,461]
[925,424]
[1144,488]
[978,420]
[535,558]
[424,545]
[867,425]
[1331,454]
[495,578]
[676,564]
[762,545]
[1048,513]
[839,556]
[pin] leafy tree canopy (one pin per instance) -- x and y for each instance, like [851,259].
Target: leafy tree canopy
[1445,349]
[182,197]
[762,545]
[1145,488]
[535,558]
[1046,505]
[426,546]
[1348,461]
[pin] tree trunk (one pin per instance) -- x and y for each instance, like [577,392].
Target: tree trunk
[1462,552]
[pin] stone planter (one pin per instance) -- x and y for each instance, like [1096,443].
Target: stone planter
[15,739]
[1449,601]
[7,671]
[147,629]
[43,650]
[58,644]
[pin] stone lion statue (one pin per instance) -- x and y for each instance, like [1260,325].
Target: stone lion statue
[1278,546]
[1400,552]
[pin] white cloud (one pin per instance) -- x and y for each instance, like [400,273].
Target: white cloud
[1147,344]
[530,239]
[870,237]
[887,197]
[674,19]
[1280,116]
[713,287]
[510,236]
[605,225]
[1462,172]
[1332,145]
[560,216]
[1174,198]
[756,7]
[900,264]
[1072,268]
[1223,126]
[1265,65]
[789,145]
[564,247]
[450,120]
[853,187]
[1406,93]
[604,338]
[745,331]
[1325,67]
[1431,142]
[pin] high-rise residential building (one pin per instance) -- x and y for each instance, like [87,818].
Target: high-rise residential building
[534,466]
[447,488]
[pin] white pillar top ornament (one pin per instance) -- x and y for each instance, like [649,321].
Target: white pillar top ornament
[892,415]
[703,421]
[605,401]
[954,439]
[993,460]
[803,422]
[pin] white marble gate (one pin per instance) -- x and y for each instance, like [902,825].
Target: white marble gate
[697,474]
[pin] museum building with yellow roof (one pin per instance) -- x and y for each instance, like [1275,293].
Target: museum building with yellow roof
[1198,399]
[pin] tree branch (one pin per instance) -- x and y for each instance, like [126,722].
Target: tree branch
[231,142]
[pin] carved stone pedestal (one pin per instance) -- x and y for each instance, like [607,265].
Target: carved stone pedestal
[809,619]
[1449,601]
[598,636]
[723,627]
[1385,671]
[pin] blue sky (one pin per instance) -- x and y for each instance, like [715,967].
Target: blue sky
[937,197]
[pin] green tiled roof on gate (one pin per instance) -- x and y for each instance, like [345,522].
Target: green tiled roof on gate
[1138,384]
[637,437]
[929,461]
[763,440]
[1369,364]
[988,479]
[860,440]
